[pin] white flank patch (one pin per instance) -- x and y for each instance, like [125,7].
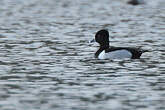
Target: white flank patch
[118,54]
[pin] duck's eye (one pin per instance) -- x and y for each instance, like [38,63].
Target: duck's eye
[99,35]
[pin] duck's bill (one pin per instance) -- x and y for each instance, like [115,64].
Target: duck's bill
[91,41]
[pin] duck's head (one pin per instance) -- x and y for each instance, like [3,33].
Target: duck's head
[102,37]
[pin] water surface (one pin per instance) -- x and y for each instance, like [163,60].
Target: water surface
[46,62]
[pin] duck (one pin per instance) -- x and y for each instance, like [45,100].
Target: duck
[106,51]
[136,2]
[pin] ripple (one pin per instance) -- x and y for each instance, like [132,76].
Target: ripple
[46,61]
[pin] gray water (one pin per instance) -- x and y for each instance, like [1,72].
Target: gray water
[46,62]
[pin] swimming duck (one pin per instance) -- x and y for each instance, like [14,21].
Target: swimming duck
[109,52]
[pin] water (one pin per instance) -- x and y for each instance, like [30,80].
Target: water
[46,62]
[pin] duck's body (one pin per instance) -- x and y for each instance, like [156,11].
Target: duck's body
[118,53]
[107,52]
[136,2]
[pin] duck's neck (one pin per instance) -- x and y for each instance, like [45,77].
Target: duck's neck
[102,47]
